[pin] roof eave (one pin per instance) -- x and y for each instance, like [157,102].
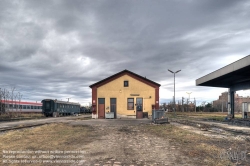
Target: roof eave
[121,73]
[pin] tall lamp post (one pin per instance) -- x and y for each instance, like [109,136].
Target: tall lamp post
[174,89]
[189,95]
[188,99]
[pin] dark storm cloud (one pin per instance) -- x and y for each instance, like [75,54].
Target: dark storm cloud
[56,49]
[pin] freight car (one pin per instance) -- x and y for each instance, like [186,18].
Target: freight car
[56,108]
[20,106]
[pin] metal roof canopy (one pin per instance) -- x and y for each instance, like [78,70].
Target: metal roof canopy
[235,76]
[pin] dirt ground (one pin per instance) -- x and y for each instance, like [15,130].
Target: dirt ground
[131,142]
[138,142]
[129,145]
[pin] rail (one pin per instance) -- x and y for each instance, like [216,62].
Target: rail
[20,127]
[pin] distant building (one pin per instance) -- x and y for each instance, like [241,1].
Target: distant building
[125,94]
[221,103]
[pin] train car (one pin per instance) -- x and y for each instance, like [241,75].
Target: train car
[20,106]
[83,110]
[56,108]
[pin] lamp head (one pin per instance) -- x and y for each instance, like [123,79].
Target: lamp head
[177,71]
[170,71]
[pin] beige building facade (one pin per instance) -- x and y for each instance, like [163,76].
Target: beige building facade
[125,94]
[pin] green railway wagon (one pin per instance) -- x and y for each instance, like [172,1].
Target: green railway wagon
[59,108]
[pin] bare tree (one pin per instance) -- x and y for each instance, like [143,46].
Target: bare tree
[19,98]
[1,104]
[164,106]
[8,101]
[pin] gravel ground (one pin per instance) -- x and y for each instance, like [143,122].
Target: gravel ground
[215,132]
[124,142]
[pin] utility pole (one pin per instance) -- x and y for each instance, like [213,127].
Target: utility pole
[4,100]
[194,105]
[16,106]
[173,104]
[19,98]
[204,105]
[182,104]
[7,98]
[12,97]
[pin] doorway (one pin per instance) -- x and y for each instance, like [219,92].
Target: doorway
[101,108]
[113,106]
[139,108]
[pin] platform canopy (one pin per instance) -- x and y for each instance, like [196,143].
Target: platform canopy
[235,76]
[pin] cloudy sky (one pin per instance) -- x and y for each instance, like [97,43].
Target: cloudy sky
[57,48]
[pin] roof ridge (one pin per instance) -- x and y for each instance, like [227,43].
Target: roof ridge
[106,80]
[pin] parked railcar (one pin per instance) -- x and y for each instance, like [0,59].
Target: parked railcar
[20,106]
[56,108]
[85,110]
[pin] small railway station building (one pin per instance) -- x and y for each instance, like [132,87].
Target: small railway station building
[124,94]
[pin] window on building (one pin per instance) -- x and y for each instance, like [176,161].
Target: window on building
[139,104]
[130,103]
[125,83]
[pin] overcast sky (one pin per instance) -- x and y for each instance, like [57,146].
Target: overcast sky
[57,48]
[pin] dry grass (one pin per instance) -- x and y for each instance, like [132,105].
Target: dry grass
[204,150]
[50,137]
[219,116]
[20,116]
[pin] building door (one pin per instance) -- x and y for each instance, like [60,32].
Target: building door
[101,108]
[113,106]
[139,108]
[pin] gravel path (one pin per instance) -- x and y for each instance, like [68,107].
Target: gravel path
[129,145]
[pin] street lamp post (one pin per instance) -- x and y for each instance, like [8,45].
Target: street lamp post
[188,99]
[174,89]
[189,95]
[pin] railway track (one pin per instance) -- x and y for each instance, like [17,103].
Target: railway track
[20,127]
[204,125]
[21,119]
[38,122]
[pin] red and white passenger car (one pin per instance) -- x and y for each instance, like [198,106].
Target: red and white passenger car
[21,106]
